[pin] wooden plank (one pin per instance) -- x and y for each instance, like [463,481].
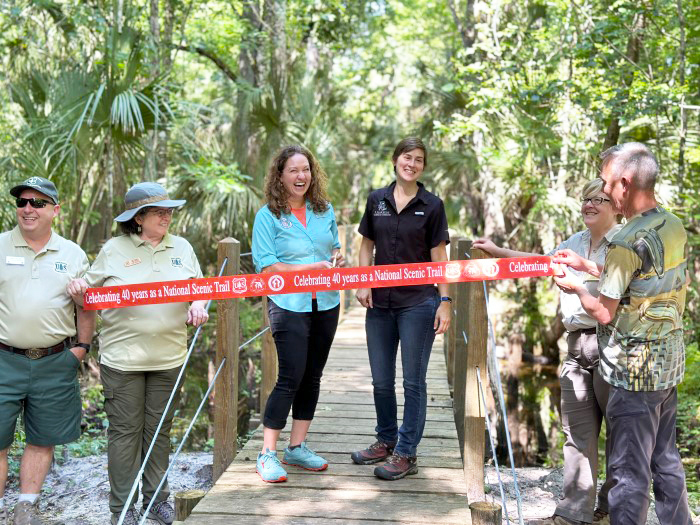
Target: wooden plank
[226,389]
[249,456]
[453,475]
[474,425]
[225,519]
[330,481]
[268,500]
[323,448]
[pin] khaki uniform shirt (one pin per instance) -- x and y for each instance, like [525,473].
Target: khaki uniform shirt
[642,349]
[35,309]
[148,337]
[573,315]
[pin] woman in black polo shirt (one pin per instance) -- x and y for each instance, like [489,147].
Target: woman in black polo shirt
[406,224]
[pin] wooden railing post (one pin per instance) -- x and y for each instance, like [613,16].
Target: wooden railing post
[227,341]
[459,355]
[268,362]
[451,335]
[474,425]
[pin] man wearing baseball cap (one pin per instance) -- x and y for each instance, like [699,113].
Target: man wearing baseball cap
[39,351]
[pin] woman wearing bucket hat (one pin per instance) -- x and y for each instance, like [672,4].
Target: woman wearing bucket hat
[296,230]
[142,347]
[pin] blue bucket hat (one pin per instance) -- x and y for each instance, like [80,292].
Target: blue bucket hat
[146,194]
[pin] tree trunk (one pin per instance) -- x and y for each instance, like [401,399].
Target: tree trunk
[684,115]
[634,47]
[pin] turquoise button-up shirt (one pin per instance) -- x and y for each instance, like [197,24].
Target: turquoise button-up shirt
[286,240]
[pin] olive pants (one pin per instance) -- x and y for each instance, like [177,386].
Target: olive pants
[134,403]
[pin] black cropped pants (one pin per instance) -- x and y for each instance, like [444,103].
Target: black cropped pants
[303,341]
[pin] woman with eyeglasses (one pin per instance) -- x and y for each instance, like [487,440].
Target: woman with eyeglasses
[142,348]
[584,394]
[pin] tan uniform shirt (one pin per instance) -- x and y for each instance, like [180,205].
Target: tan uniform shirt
[149,337]
[35,309]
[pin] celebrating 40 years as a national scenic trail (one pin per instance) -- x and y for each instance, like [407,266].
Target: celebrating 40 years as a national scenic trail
[235,286]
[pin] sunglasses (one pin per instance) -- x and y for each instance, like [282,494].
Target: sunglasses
[34,203]
[595,201]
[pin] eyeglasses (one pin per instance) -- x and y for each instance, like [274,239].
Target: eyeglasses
[161,212]
[595,201]
[34,203]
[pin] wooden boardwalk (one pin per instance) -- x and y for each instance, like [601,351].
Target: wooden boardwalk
[347,493]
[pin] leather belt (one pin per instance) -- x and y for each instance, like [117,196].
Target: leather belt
[36,353]
[587,331]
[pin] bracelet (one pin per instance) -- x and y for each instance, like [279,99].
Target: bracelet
[86,346]
[446,298]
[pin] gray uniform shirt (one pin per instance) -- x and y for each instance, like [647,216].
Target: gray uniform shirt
[572,312]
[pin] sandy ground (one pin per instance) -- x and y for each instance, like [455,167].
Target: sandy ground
[76,492]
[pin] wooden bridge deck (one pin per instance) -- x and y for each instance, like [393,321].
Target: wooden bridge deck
[348,493]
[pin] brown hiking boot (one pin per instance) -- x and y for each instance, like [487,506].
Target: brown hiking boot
[600,517]
[397,467]
[376,452]
[26,514]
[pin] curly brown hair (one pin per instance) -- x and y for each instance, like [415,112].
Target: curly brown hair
[277,196]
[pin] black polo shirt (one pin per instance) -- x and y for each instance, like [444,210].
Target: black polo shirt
[405,237]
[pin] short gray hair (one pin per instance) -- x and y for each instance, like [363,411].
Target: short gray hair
[634,157]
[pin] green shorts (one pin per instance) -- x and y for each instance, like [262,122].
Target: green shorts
[46,390]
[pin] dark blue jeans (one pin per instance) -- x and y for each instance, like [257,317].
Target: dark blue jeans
[413,327]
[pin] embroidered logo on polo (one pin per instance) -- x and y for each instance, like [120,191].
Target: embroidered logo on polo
[276,283]
[285,223]
[60,267]
[381,210]
[176,262]
[132,262]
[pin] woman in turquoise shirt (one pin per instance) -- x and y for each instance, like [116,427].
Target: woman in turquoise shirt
[294,231]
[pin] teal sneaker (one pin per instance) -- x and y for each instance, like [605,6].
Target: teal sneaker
[304,457]
[269,468]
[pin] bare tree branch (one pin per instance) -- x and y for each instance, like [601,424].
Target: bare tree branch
[223,67]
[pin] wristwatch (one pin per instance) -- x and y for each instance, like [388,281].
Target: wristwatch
[445,298]
[86,346]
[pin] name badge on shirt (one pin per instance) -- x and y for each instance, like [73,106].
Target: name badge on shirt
[132,262]
[18,261]
[420,213]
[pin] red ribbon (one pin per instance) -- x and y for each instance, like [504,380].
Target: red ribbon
[235,286]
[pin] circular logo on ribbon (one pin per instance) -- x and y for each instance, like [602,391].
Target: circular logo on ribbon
[472,270]
[452,271]
[276,283]
[491,269]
